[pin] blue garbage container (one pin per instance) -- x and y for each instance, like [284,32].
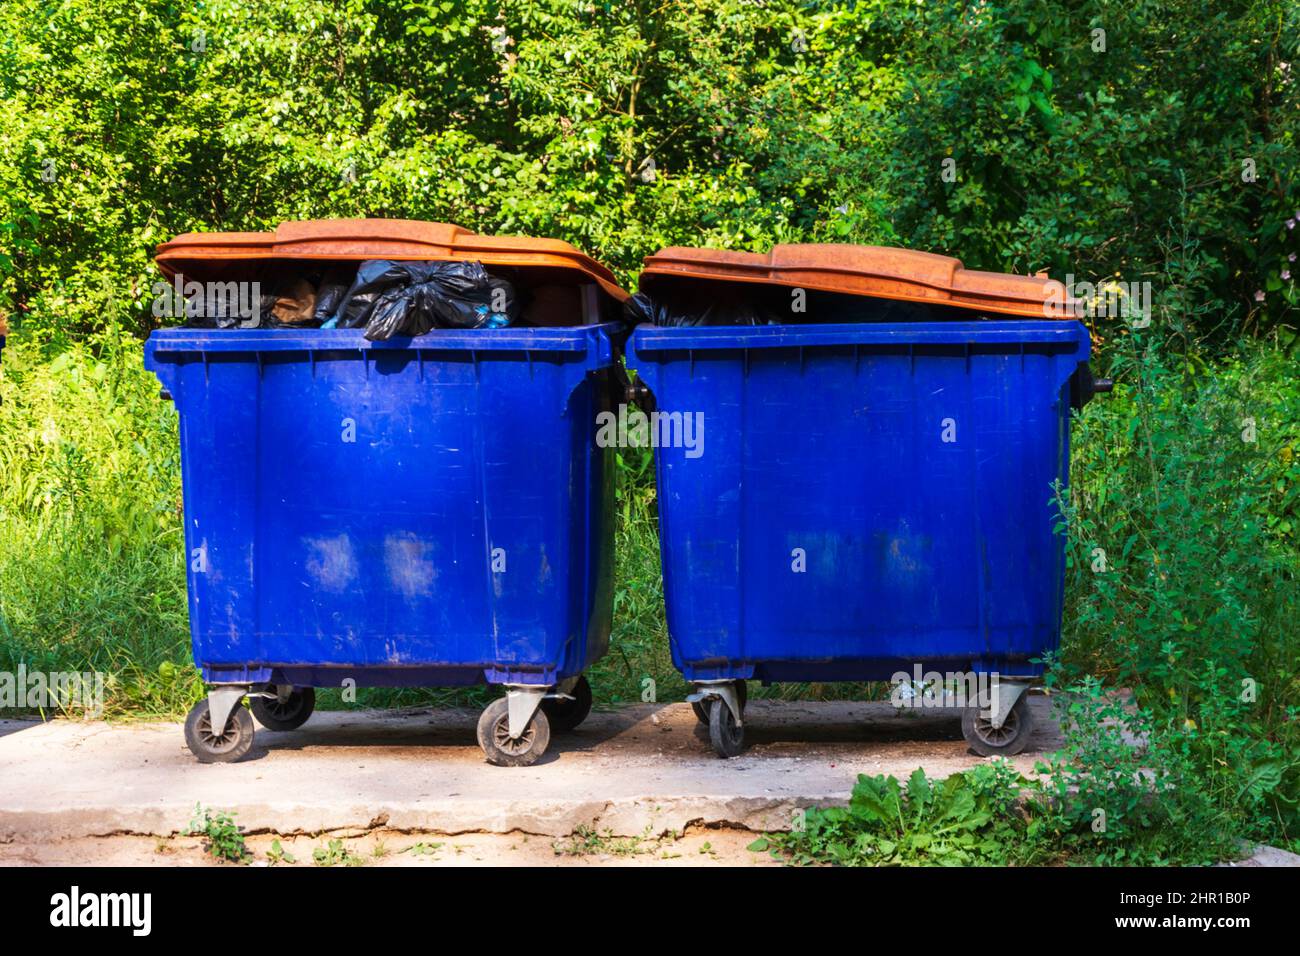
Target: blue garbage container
[418,511]
[869,499]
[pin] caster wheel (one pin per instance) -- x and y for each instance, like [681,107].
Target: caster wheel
[566,715]
[284,714]
[500,749]
[1009,739]
[727,737]
[701,708]
[228,746]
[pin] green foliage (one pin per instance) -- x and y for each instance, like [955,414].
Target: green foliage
[336,853]
[1094,162]
[639,640]
[585,841]
[1182,579]
[90,524]
[1120,792]
[1116,794]
[222,838]
[278,854]
[967,819]
[630,126]
[423,849]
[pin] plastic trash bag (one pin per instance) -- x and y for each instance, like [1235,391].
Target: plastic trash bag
[196,317]
[295,305]
[330,294]
[410,298]
[640,308]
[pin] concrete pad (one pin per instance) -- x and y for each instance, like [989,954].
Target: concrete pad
[1264,855]
[638,770]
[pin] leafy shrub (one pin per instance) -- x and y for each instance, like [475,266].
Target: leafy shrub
[222,837]
[1121,793]
[966,819]
[1182,579]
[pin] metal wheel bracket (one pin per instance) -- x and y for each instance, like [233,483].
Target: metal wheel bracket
[222,701]
[270,691]
[522,701]
[1002,697]
[724,690]
[564,689]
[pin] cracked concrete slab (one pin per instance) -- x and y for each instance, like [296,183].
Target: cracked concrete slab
[639,769]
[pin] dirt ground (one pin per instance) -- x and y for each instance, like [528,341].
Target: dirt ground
[697,847]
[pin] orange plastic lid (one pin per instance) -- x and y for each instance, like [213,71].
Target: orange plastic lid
[206,256]
[875,271]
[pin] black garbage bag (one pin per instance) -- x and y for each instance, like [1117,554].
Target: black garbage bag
[228,317]
[410,298]
[331,292]
[641,308]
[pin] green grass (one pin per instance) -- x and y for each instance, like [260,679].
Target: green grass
[90,525]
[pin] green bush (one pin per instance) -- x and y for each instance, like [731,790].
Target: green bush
[90,524]
[1122,791]
[966,819]
[630,126]
[1182,582]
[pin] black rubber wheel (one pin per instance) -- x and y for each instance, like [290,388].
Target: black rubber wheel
[727,737]
[500,749]
[1004,741]
[566,715]
[227,747]
[702,711]
[276,714]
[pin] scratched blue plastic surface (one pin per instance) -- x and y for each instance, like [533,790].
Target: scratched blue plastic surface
[827,441]
[344,500]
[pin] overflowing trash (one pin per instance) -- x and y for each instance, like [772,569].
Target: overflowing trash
[411,298]
[388,298]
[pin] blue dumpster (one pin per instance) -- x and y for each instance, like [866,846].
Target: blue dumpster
[869,499]
[418,511]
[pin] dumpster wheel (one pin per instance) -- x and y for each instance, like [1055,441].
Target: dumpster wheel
[566,714]
[226,747]
[702,710]
[989,741]
[284,712]
[506,751]
[727,736]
